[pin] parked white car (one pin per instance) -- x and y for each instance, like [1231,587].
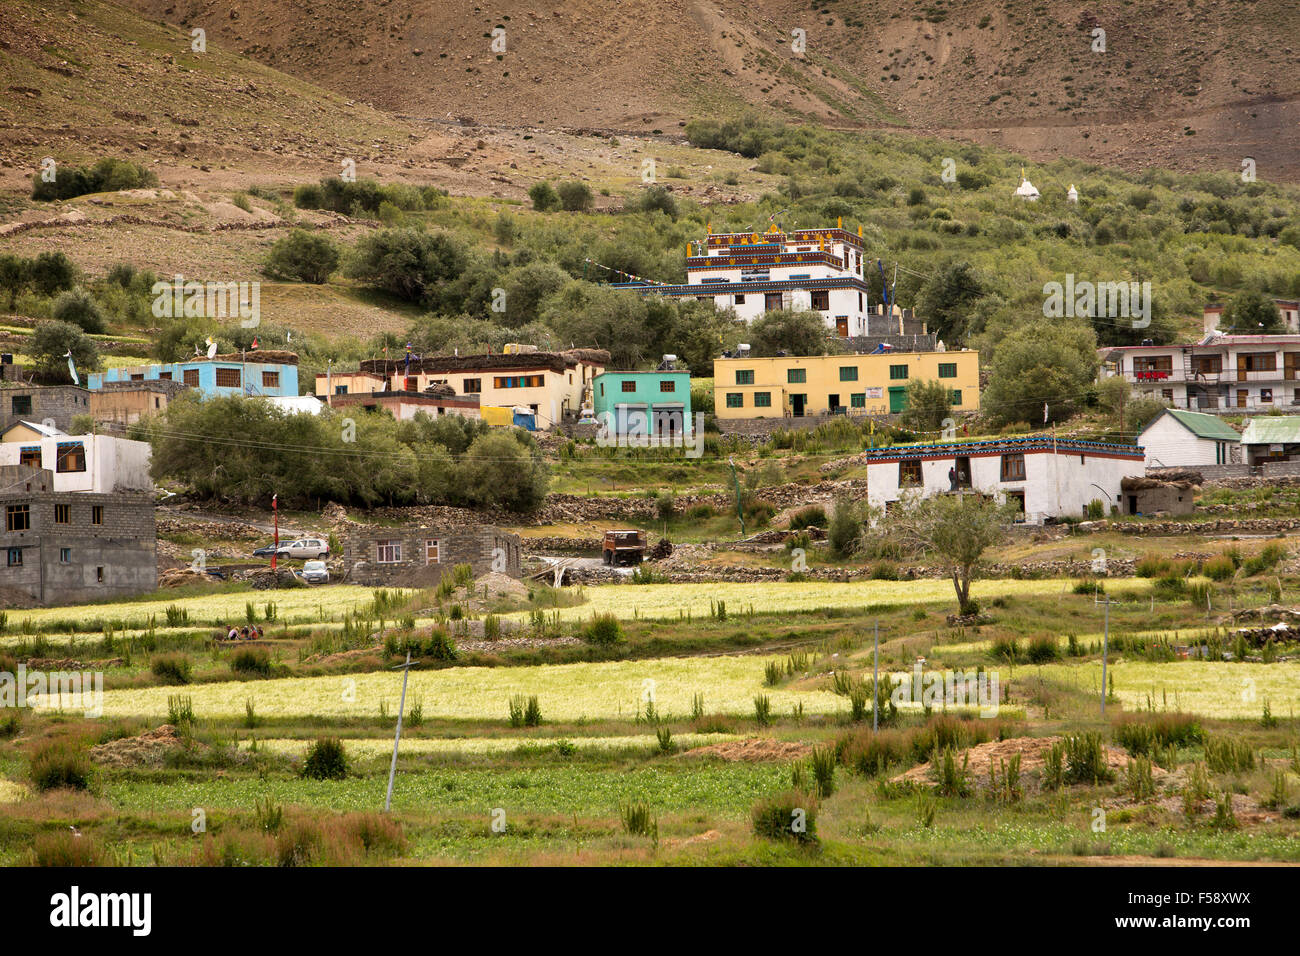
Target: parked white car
[315,572]
[305,548]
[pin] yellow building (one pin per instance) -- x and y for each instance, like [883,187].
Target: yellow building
[796,386]
[553,385]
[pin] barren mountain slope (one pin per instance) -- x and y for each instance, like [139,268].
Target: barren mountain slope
[1195,83]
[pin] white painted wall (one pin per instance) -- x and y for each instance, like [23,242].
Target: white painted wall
[112,464]
[1168,444]
[1054,485]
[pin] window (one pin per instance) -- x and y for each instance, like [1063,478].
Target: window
[848,373]
[1013,467]
[628,385]
[796,376]
[137,376]
[897,371]
[821,299]
[22,404]
[430,550]
[762,399]
[735,400]
[1265,396]
[71,457]
[340,389]
[63,514]
[388,551]
[18,517]
[740,300]
[858,400]
[15,557]
[228,378]
[31,455]
[954,396]
[165,375]
[909,472]
[473,386]
[65,555]
[744,376]
[99,575]
[190,377]
[947,369]
[96,514]
[518,381]
[270,379]
[667,385]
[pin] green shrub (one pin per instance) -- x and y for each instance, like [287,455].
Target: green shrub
[813,516]
[637,820]
[326,760]
[1085,759]
[1225,755]
[172,668]
[251,660]
[180,710]
[1043,649]
[544,197]
[302,255]
[603,630]
[574,196]
[1219,568]
[787,816]
[65,849]
[61,763]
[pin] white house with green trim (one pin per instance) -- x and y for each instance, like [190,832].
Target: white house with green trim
[1178,439]
[1272,438]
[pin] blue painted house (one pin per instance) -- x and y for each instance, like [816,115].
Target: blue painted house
[644,403]
[257,373]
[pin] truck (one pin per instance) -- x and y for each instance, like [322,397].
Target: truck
[623,547]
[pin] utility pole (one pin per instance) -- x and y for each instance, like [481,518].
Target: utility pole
[1105,651]
[392,770]
[875,683]
[275,514]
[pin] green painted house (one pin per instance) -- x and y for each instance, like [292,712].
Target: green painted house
[644,403]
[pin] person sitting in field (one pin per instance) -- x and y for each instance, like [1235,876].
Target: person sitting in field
[243,632]
[233,635]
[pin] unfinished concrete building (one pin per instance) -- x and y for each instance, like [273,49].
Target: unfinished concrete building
[419,557]
[64,547]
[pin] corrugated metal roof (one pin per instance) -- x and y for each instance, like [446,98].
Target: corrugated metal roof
[1272,430]
[1202,425]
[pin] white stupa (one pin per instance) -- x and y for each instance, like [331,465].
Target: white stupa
[1026,189]
[1073,194]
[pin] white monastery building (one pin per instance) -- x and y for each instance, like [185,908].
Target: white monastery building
[819,270]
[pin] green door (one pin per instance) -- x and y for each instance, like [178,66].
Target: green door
[897,399]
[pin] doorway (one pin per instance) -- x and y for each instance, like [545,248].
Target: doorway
[797,404]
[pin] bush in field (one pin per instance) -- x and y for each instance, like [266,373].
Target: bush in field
[66,849]
[574,196]
[107,175]
[1043,649]
[302,255]
[407,263]
[1085,759]
[787,816]
[251,660]
[544,197]
[1145,735]
[61,764]
[813,516]
[1219,568]
[603,630]
[172,668]
[1266,560]
[325,760]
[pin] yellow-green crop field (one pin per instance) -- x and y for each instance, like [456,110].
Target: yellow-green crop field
[368,747]
[1211,688]
[669,601]
[614,689]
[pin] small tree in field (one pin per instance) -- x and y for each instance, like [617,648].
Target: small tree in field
[956,529]
[928,404]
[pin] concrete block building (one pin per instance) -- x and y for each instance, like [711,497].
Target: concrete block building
[850,384]
[125,403]
[72,547]
[1047,478]
[58,404]
[420,556]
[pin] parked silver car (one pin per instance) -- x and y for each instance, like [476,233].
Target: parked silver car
[315,572]
[305,548]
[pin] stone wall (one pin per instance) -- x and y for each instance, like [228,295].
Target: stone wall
[56,402]
[484,548]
